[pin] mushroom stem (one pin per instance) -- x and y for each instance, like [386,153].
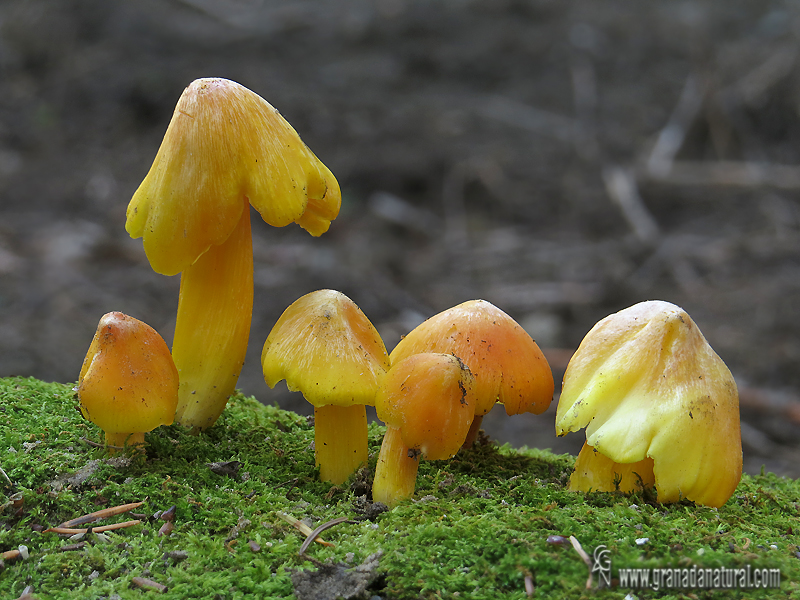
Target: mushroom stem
[396,471]
[472,434]
[340,439]
[213,326]
[598,473]
[116,440]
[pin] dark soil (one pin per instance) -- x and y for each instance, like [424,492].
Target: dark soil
[561,159]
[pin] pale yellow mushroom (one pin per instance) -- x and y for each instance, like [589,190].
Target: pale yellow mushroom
[650,390]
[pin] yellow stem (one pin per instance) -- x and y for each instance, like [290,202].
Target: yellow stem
[396,472]
[596,472]
[472,434]
[213,326]
[120,440]
[340,439]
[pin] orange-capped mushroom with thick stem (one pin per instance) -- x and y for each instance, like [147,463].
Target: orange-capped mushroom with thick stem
[326,348]
[659,407]
[507,364]
[226,148]
[427,402]
[128,384]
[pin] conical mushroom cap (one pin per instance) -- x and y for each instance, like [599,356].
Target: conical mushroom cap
[430,398]
[326,348]
[507,364]
[645,383]
[128,382]
[224,145]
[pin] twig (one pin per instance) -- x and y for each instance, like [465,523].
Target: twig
[529,118]
[624,192]
[394,209]
[101,514]
[72,531]
[8,480]
[304,529]
[586,558]
[584,89]
[73,547]
[313,535]
[148,584]
[11,554]
[529,589]
[671,137]
[95,444]
[755,83]
[730,173]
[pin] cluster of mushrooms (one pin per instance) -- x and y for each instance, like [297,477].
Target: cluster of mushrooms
[660,408]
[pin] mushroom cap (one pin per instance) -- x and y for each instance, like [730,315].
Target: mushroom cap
[430,398]
[226,144]
[645,383]
[326,348]
[507,364]
[128,381]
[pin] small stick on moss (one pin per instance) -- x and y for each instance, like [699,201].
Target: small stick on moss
[73,547]
[304,529]
[11,554]
[71,531]
[586,558]
[101,514]
[313,535]
[148,584]
[8,481]
[529,589]
[99,445]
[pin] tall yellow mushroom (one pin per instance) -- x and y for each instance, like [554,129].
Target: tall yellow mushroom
[225,148]
[659,407]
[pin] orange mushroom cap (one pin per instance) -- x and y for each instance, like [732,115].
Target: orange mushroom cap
[128,382]
[430,398]
[644,382]
[223,145]
[326,348]
[507,364]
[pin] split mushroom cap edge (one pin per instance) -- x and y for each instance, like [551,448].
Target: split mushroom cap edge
[645,383]
[224,146]
[128,383]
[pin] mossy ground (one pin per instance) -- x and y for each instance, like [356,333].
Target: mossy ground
[478,526]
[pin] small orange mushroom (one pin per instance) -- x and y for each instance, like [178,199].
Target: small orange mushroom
[507,364]
[225,149]
[128,383]
[659,407]
[326,348]
[427,402]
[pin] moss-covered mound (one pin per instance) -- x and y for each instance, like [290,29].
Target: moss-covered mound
[492,523]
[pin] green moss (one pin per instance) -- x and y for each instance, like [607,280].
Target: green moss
[478,525]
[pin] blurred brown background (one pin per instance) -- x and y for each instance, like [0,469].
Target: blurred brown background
[563,159]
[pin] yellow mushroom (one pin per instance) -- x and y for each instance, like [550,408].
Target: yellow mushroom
[427,401]
[650,390]
[128,384]
[507,364]
[225,148]
[326,348]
